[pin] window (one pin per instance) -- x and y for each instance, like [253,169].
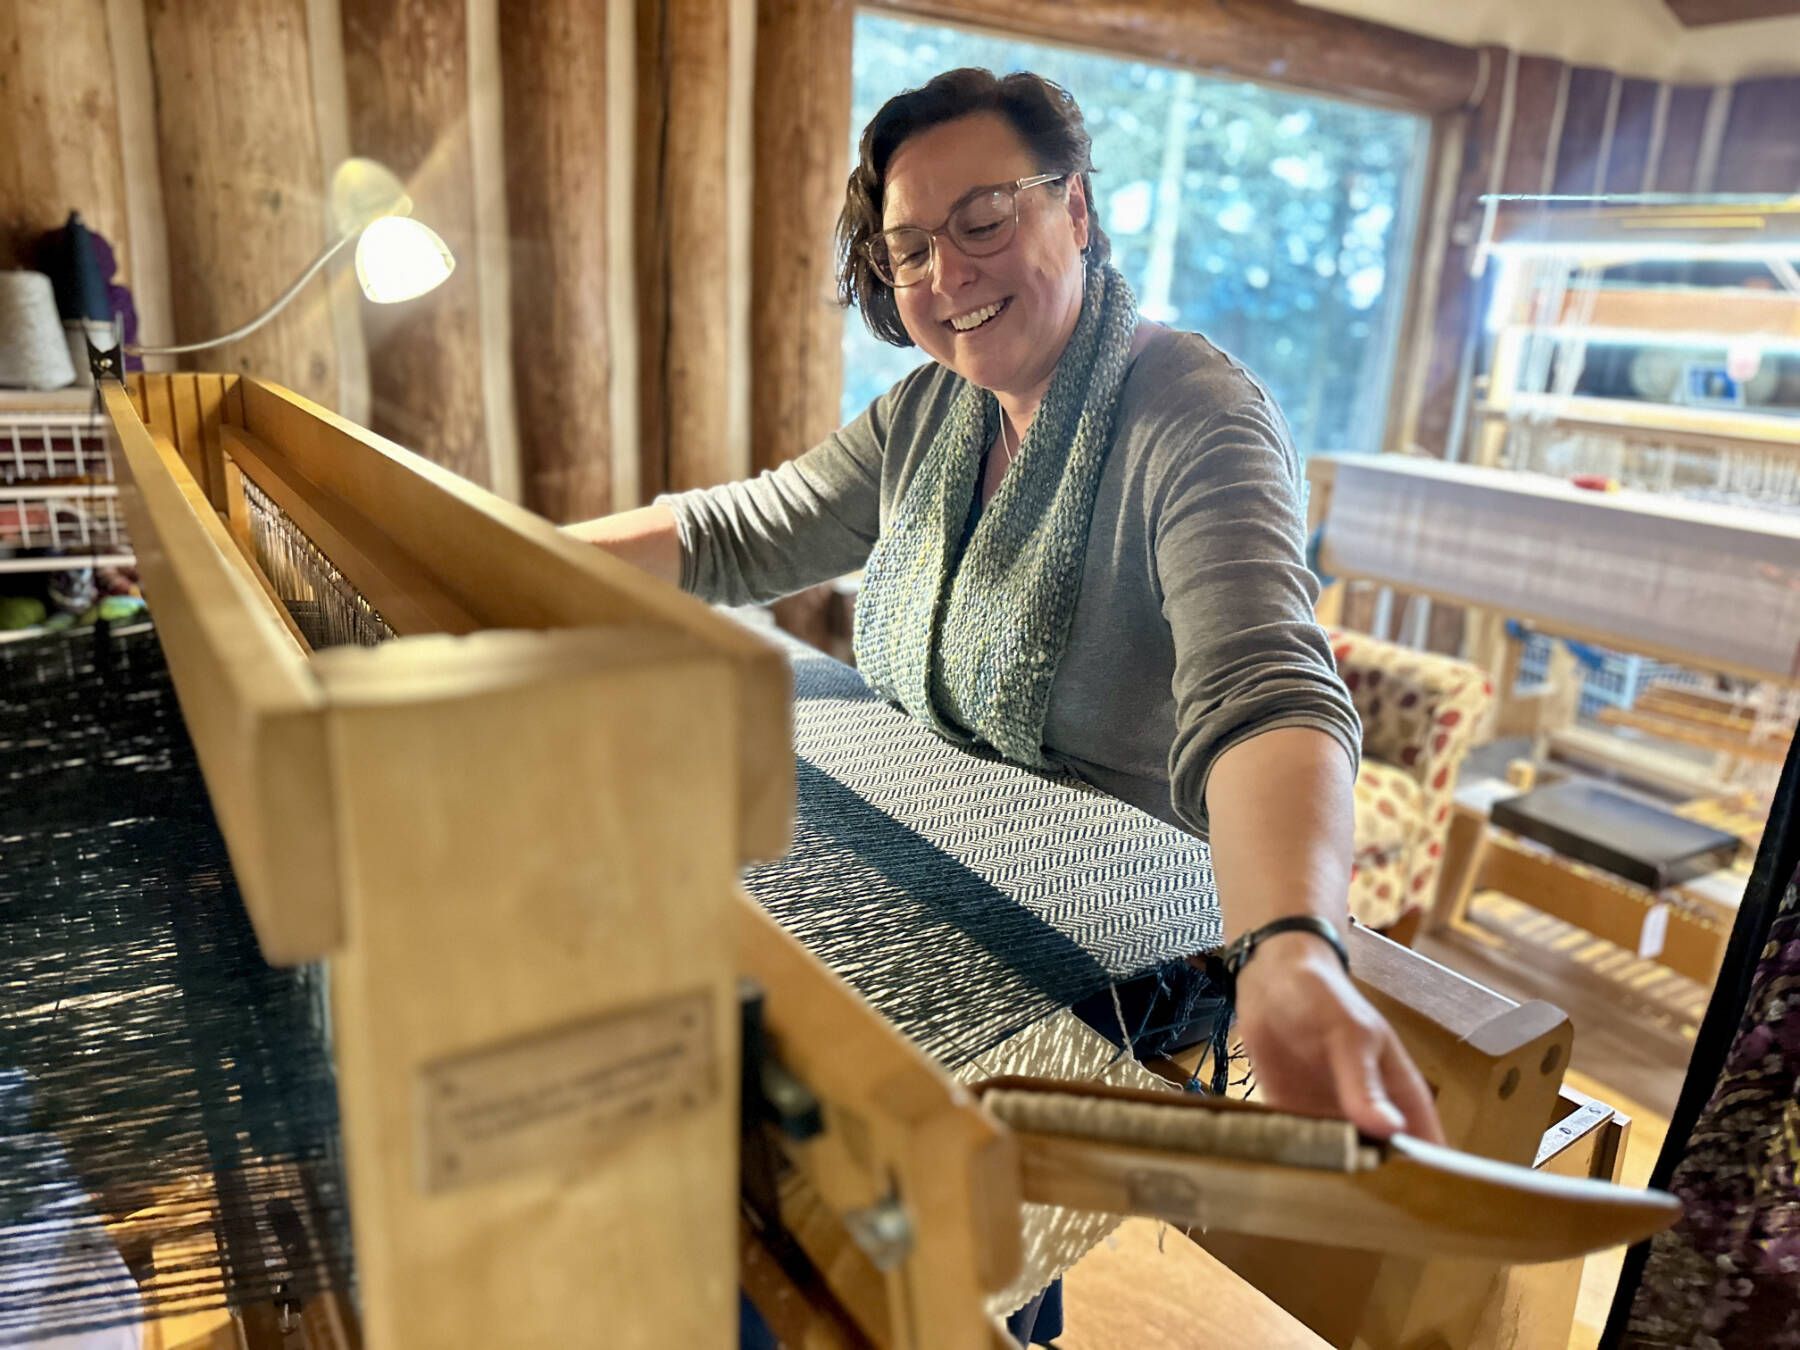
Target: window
[1280,225]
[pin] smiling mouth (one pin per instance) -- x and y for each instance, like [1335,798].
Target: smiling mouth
[979,318]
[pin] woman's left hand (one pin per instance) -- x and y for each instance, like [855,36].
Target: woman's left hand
[1318,1047]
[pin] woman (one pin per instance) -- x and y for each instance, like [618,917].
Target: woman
[1083,543]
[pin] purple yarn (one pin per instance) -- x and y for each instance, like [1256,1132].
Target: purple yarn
[119,302]
[118,296]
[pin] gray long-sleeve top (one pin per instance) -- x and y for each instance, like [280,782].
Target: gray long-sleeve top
[1194,628]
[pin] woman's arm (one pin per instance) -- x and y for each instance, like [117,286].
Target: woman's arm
[1280,805]
[813,518]
[646,538]
[753,541]
[1263,761]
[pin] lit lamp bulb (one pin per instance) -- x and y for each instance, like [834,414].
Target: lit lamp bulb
[398,259]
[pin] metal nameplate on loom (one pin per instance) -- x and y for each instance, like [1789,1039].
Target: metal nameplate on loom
[559,1098]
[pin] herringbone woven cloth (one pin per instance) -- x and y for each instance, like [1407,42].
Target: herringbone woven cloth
[968,898]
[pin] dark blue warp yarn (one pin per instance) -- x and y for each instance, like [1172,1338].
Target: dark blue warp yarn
[148,1055]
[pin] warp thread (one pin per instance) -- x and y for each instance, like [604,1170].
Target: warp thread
[153,1067]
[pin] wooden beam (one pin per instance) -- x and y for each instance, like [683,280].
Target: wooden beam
[683,261]
[621,110]
[554,59]
[1741,313]
[1711,708]
[803,69]
[1459,295]
[493,282]
[1760,152]
[406,64]
[1429,279]
[241,184]
[650,243]
[60,111]
[1633,130]
[1584,122]
[1531,148]
[1686,125]
[1704,13]
[1687,731]
[1274,41]
[147,225]
[1602,904]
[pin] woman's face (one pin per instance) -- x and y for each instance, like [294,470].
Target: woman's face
[1036,279]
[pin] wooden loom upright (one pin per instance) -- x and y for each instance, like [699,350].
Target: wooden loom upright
[515,833]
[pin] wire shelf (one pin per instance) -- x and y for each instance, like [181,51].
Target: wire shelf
[59,499]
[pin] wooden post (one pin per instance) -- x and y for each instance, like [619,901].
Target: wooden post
[1531,144]
[1634,130]
[406,66]
[1457,292]
[62,128]
[802,126]
[684,277]
[1759,152]
[145,220]
[497,975]
[242,184]
[1680,152]
[558,180]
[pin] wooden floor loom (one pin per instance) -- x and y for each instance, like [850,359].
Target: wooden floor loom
[515,833]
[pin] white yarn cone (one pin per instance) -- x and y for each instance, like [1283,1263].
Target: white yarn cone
[33,352]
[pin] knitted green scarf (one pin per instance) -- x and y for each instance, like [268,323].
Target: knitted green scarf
[972,651]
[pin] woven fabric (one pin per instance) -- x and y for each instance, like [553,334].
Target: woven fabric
[1389,818]
[1727,1275]
[971,647]
[1420,713]
[966,897]
[972,901]
[152,1067]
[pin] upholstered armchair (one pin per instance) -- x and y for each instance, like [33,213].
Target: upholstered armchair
[1420,712]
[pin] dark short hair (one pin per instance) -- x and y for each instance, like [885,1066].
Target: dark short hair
[1044,115]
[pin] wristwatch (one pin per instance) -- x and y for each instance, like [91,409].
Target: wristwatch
[1238,952]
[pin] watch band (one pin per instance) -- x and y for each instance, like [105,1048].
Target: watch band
[1239,951]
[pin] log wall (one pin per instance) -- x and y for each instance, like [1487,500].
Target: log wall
[60,110]
[641,195]
[242,183]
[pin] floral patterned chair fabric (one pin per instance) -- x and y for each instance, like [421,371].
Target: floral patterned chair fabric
[1419,713]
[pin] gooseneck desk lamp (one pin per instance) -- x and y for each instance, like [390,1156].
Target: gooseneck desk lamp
[397,257]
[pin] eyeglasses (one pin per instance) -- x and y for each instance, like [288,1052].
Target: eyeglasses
[983,222]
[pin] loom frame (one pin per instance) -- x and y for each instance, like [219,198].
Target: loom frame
[370,800]
[334,777]
[342,782]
